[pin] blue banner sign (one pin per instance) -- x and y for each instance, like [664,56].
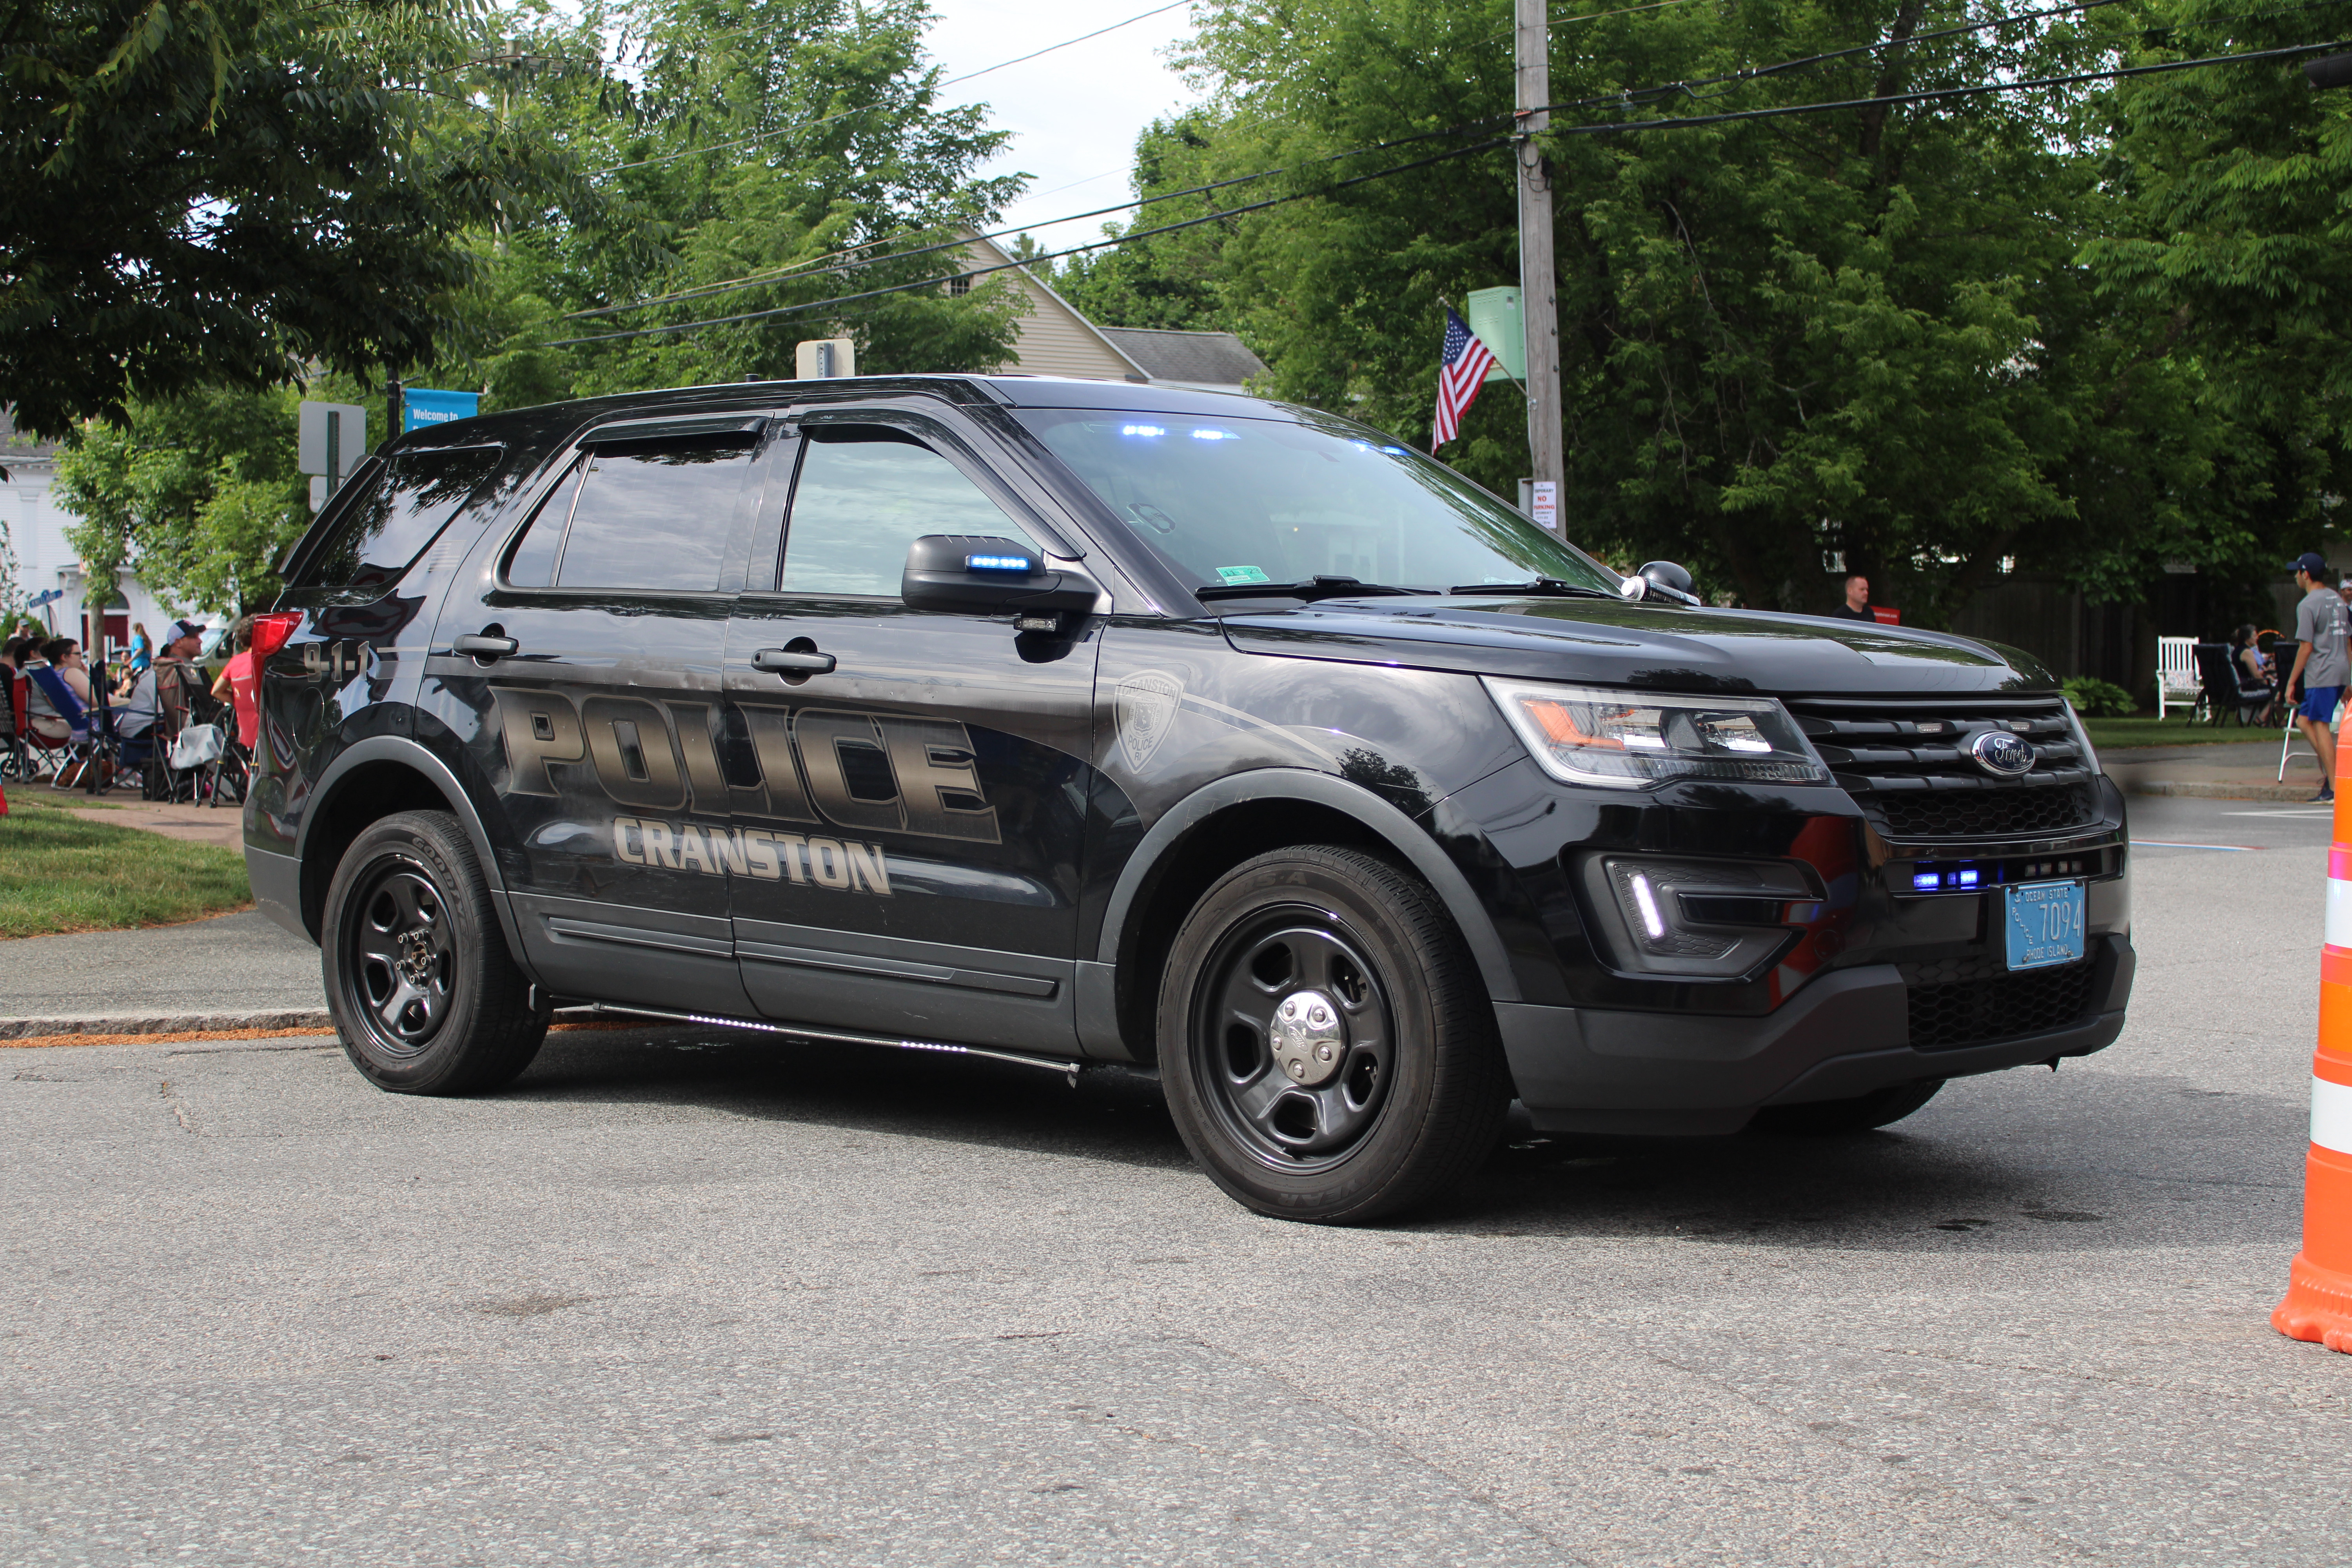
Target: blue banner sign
[422,405]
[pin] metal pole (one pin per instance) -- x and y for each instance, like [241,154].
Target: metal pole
[1546,448]
[392,409]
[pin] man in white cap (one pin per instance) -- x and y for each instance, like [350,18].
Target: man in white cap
[174,662]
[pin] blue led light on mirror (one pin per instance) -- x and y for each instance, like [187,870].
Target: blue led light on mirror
[996,563]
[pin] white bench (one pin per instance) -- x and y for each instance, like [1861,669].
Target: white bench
[2176,672]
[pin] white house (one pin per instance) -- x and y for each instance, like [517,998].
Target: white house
[35,528]
[1055,339]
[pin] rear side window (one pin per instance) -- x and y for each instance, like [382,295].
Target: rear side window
[865,492]
[407,502]
[646,515]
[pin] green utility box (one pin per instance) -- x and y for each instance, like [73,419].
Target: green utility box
[1495,317]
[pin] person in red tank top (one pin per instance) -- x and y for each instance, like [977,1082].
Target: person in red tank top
[240,680]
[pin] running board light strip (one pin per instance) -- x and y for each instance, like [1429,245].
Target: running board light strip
[843,1036]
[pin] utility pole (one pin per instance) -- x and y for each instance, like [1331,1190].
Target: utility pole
[1546,448]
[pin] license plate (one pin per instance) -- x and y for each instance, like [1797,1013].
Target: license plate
[2044,920]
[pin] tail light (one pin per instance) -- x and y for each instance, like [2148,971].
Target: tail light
[270,631]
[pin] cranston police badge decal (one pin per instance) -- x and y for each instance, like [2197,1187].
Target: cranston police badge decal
[1147,702]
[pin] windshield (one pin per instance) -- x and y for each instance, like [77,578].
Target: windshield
[1236,501]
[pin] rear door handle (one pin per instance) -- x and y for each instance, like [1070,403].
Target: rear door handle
[485,647]
[789,661]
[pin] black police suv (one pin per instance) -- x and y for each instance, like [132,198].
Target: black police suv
[1075,722]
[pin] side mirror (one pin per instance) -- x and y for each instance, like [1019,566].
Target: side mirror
[972,574]
[1665,580]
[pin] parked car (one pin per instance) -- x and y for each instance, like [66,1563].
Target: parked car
[1075,722]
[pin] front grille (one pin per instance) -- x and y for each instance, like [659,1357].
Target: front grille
[1907,764]
[1949,1014]
[2015,812]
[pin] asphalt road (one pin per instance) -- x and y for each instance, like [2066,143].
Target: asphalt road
[679,1297]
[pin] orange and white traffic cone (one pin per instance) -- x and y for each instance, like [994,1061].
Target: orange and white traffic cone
[2318,1304]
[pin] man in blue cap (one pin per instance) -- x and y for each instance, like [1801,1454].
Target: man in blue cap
[2321,665]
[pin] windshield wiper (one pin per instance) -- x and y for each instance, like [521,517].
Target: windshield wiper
[1537,588]
[1311,589]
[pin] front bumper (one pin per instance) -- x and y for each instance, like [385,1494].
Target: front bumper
[1589,1069]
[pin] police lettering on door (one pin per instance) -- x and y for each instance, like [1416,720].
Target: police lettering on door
[851,771]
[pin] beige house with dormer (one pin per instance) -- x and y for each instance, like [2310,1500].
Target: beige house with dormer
[1055,339]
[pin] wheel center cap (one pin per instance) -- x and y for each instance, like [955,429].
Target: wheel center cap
[1309,1037]
[417,958]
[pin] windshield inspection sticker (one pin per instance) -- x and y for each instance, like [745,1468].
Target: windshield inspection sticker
[1242,575]
[1146,704]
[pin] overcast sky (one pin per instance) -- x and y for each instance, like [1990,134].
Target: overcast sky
[1076,113]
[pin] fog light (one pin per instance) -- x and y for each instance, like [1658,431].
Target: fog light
[1696,920]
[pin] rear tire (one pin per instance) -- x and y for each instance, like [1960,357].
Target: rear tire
[423,990]
[1827,1118]
[1326,1040]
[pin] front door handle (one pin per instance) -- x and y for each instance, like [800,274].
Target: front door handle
[793,661]
[485,647]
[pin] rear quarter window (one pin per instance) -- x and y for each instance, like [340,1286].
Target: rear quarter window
[401,508]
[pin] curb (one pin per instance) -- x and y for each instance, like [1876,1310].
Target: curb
[2298,794]
[314,1019]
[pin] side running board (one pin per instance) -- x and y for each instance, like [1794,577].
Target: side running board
[844,1037]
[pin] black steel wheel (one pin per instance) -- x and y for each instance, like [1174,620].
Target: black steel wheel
[424,993]
[1326,1041]
[1829,1118]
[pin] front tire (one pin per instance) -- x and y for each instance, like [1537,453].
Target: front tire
[424,994]
[1326,1041]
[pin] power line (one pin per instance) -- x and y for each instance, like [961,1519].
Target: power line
[1685,121]
[844,114]
[1047,256]
[814,268]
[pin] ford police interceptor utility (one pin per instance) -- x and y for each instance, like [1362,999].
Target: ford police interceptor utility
[1075,722]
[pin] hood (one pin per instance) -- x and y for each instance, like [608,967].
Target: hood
[1670,649]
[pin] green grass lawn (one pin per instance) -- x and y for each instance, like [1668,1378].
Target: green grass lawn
[2111,734]
[58,873]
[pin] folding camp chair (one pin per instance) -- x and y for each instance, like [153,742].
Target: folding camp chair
[23,754]
[86,761]
[2223,689]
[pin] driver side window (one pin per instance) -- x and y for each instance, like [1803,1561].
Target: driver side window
[865,493]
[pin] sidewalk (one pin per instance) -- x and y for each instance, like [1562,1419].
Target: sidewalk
[2231,771]
[223,825]
[232,972]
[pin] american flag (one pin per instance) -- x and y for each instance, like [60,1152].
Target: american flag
[1460,374]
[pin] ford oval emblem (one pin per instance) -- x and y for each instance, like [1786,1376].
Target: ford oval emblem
[2001,754]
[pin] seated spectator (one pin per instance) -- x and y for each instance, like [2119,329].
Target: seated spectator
[172,663]
[64,655]
[2253,665]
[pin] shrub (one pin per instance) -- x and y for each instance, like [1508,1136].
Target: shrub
[2096,699]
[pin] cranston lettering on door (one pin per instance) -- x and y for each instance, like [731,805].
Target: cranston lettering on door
[817,768]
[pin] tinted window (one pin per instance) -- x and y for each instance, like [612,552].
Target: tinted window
[404,508]
[532,564]
[865,494]
[1241,500]
[651,514]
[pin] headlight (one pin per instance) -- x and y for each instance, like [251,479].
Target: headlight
[1628,739]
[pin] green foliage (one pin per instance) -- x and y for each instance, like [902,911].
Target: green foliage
[217,194]
[200,493]
[1907,334]
[2096,699]
[773,140]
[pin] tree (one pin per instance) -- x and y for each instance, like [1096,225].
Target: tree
[1869,333]
[198,493]
[220,193]
[799,147]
